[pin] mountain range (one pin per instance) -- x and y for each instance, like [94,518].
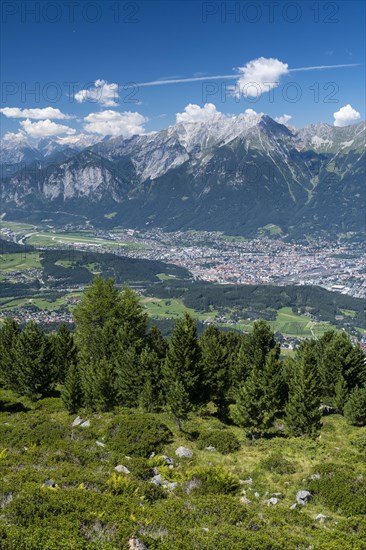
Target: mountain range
[236,174]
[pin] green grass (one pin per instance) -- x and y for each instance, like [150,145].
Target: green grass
[37,301]
[165,276]
[16,226]
[38,443]
[19,261]
[65,263]
[291,324]
[45,239]
[110,216]
[349,313]
[172,309]
[272,229]
[42,303]
[287,322]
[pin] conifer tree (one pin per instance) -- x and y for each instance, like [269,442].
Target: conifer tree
[156,342]
[260,398]
[355,408]
[100,304]
[133,316]
[337,357]
[303,415]
[128,379]
[64,351]
[8,337]
[151,394]
[72,393]
[178,401]
[341,394]
[182,364]
[252,353]
[215,368]
[35,370]
[104,386]
[147,397]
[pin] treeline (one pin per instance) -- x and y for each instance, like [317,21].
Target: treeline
[114,359]
[10,247]
[19,290]
[109,265]
[321,302]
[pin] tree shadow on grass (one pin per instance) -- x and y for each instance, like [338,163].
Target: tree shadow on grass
[12,406]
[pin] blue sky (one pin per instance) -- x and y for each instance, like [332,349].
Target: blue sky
[61,49]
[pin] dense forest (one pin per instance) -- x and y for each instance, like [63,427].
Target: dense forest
[114,360]
[201,295]
[224,393]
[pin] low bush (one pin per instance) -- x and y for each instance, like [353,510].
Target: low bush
[138,435]
[213,480]
[278,464]
[224,441]
[341,488]
[359,441]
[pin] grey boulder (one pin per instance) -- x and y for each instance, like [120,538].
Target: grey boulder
[122,469]
[303,497]
[183,452]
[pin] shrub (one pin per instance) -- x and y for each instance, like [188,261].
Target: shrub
[139,435]
[355,408]
[359,440]
[278,464]
[50,404]
[140,468]
[340,488]
[39,429]
[122,485]
[214,480]
[224,441]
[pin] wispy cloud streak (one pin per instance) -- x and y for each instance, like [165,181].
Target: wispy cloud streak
[235,76]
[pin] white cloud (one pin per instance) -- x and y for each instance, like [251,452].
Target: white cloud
[195,113]
[259,76]
[346,115]
[14,137]
[250,112]
[36,114]
[283,119]
[115,123]
[45,128]
[101,92]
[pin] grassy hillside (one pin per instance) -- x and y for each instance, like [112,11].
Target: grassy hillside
[92,506]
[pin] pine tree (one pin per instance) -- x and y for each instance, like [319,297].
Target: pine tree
[72,394]
[355,408]
[151,394]
[105,391]
[100,304]
[182,364]
[341,394]
[178,401]
[64,351]
[8,337]
[129,381]
[133,316]
[156,342]
[337,357]
[36,373]
[252,353]
[215,368]
[260,398]
[147,397]
[303,415]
